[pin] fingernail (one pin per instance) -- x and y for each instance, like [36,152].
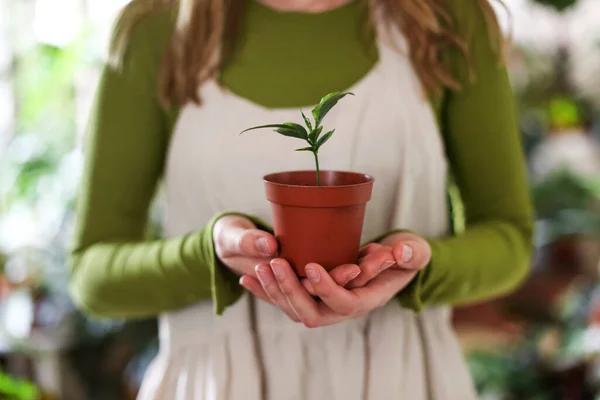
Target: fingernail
[263,275]
[262,245]
[387,264]
[312,274]
[407,253]
[353,275]
[242,283]
[277,270]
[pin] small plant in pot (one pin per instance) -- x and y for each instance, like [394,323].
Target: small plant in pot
[317,215]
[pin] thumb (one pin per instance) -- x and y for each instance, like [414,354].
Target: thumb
[412,254]
[238,236]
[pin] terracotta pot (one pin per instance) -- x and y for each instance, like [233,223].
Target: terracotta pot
[321,224]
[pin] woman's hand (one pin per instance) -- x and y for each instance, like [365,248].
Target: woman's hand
[384,270]
[278,284]
[403,251]
[410,253]
[241,246]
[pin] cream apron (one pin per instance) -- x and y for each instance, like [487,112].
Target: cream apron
[254,352]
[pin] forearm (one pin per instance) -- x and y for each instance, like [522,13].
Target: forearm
[482,140]
[140,279]
[113,279]
[487,260]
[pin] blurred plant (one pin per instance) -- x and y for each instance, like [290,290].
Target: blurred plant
[44,79]
[562,191]
[508,375]
[40,174]
[13,389]
[45,125]
[564,113]
[567,204]
[550,361]
[533,74]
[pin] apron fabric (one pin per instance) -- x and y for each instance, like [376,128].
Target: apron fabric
[253,351]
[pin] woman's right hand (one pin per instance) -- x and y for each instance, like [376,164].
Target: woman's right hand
[241,246]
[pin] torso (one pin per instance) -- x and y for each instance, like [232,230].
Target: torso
[388,130]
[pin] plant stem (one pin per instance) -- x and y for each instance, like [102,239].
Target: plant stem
[318,172]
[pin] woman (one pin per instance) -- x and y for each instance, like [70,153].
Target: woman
[431,97]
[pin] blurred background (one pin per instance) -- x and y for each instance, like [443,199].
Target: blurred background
[542,342]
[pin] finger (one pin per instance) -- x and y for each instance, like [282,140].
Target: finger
[377,293]
[243,241]
[253,286]
[394,238]
[271,288]
[308,286]
[371,247]
[340,275]
[372,265]
[337,298]
[233,221]
[383,287]
[245,265]
[297,297]
[412,254]
[344,273]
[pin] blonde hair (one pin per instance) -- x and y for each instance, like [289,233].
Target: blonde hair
[206,31]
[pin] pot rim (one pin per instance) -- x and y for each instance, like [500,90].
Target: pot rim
[368,179]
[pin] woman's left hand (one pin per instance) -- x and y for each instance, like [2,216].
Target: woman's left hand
[278,284]
[403,250]
[411,253]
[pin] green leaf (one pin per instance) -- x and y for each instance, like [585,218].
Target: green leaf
[264,126]
[290,129]
[314,134]
[305,149]
[291,133]
[306,121]
[324,138]
[326,104]
[298,128]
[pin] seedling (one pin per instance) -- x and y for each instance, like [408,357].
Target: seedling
[312,133]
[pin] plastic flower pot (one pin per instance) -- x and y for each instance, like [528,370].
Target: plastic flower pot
[320,224]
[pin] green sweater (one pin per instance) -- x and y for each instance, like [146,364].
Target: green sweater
[117,273]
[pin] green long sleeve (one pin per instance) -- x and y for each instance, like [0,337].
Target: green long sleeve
[479,123]
[115,272]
